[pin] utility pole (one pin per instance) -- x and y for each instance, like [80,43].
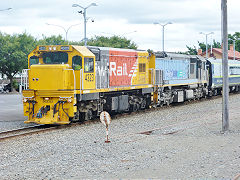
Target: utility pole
[225,95]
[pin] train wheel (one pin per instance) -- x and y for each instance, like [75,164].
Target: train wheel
[89,115]
[161,104]
[134,107]
[86,116]
[168,103]
[81,116]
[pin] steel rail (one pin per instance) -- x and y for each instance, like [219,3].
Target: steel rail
[25,131]
[42,128]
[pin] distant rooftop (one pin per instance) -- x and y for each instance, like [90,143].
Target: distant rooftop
[217,52]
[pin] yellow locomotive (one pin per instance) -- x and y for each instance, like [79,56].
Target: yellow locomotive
[66,83]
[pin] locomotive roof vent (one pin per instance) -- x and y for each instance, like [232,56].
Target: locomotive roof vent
[160,54]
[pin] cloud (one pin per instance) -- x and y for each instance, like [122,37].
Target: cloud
[119,17]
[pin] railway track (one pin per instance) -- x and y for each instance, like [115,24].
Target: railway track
[172,105]
[43,128]
[25,131]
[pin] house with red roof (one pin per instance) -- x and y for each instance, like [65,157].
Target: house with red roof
[217,53]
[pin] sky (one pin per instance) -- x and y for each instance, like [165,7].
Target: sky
[132,19]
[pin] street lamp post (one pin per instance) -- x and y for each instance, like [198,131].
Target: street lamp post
[234,57]
[65,30]
[128,33]
[234,47]
[163,29]
[120,35]
[206,41]
[85,18]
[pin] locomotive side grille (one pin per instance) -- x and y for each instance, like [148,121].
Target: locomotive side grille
[159,77]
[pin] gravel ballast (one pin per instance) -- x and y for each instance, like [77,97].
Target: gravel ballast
[179,142]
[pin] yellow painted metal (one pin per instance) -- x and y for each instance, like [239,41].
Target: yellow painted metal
[50,98]
[151,68]
[182,84]
[151,72]
[50,77]
[113,89]
[28,93]
[141,77]
[83,51]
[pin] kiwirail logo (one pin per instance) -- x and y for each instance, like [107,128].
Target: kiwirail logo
[120,70]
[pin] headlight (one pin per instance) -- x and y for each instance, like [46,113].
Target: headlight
[25,99]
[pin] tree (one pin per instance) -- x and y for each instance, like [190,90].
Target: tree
[15,48]
[13,53]
[236,37]
[193,50]
[52,40]
[114,41]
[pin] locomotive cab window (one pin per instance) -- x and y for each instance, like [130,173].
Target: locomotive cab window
[88,65]
[77,62]
[33,60]
[55,58]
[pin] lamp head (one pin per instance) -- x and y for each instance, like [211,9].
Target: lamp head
[93,4]
[75,5]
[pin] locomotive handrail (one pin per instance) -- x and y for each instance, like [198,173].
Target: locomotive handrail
[81,79]
[100,74]
[74,78]
[152,75]
[24,79]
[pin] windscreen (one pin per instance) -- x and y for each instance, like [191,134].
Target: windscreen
[55,57]
[33,60]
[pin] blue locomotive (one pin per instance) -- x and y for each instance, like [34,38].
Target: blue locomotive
[180,77]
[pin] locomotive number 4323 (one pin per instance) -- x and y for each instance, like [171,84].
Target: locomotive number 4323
[89,77]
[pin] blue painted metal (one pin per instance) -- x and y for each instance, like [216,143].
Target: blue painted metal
[175,71]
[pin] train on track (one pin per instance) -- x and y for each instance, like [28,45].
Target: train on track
[66,83]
